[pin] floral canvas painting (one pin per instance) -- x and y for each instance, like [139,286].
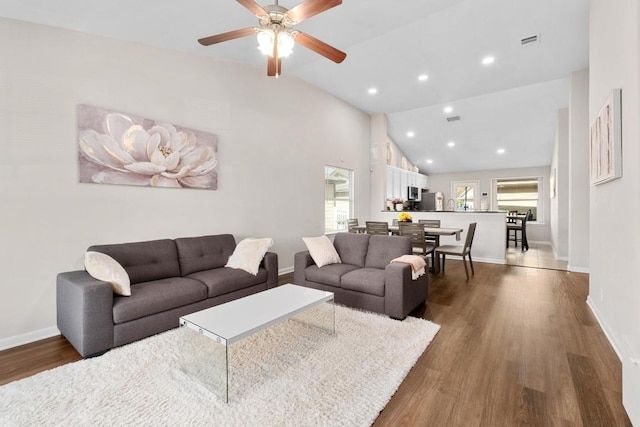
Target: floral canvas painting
[119,148]
[606,141]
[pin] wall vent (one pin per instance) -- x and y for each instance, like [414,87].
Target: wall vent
[453,118]
[531,39]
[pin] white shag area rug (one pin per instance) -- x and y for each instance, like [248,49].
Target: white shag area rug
[288,375]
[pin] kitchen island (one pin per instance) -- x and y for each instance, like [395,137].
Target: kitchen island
[488,242]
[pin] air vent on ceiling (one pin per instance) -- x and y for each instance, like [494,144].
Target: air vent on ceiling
[531,39]
[453,118]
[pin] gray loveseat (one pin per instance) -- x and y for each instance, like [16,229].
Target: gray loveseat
[365,278]
[169,278]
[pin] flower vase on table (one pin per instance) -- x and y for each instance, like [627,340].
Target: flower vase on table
[404,217]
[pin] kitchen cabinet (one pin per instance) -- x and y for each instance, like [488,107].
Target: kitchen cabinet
[398,180]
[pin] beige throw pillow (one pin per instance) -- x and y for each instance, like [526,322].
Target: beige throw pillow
[103,267]
[248,254]
[322,250]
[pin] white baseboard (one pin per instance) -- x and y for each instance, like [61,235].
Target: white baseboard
[603,326]
[539,242]
[28,338]
[285,270]
[577,269]
[474,259]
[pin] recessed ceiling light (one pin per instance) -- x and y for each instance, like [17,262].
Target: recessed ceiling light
[423,77]
[488,60]
[411,134]
[448,109]
[500,151]
[429,161]
[373,91]
[451,143]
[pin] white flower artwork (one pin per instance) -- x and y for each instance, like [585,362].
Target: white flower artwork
[117,148]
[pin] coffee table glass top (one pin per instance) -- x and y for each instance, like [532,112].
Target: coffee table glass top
[234,320]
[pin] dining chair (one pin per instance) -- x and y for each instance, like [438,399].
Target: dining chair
[351,223]
[463,251]
[431,223]
[394,222]
[519,226]
[415,231]
[377,227]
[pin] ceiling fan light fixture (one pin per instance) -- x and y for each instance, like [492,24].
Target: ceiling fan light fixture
[285,44]
[266,38]
[265,41]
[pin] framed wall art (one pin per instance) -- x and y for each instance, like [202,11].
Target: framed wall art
[121,148]
[606,141]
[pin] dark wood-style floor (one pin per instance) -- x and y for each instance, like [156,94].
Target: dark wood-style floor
[517,346]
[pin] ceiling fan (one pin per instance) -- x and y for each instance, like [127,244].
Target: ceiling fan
[276,35]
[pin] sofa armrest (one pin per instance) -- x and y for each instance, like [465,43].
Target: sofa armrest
[270,263]
[85,312]
[301,261]
[402,294]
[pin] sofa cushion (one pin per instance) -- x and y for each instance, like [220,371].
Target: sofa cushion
[322,250]
[156,296]
[248,254]
[144,261]
[367,280]
[204,253]
[220,281]
[329,274]
[102,267]
[352,247]
[382,249]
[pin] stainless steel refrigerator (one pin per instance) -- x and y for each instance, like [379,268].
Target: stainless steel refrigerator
[431,201]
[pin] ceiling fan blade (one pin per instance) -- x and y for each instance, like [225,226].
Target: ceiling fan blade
[319,47]
[206,41]
[309,8]
[253,7]
[274,65]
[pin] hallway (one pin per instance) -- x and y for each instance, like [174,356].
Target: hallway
[539,255]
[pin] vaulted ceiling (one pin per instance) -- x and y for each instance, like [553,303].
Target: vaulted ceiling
[510,104]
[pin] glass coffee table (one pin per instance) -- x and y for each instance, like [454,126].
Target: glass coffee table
[230,322]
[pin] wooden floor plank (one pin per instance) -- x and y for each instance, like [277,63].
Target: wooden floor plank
[594,408]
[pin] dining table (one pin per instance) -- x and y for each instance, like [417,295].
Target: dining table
[428,231]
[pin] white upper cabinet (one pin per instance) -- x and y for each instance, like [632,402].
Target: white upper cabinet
[398,180]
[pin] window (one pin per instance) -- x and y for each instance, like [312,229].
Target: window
[520,195]
[465,194]
[338,198]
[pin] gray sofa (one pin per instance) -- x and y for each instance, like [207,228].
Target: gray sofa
[169,278]
[365,278]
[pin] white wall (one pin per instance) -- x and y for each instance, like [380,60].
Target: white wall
[578,236]
[535,232]
[378,165]
[398,154]
[274,135]
[560,204]
[614,291]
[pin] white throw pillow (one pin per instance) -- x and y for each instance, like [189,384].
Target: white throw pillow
[322,250]
[248,254]
[103,267]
